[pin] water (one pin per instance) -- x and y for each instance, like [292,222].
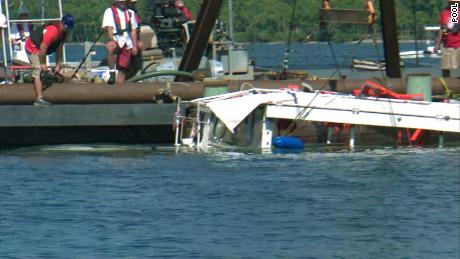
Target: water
[303,56]
[320,55]
[133,202]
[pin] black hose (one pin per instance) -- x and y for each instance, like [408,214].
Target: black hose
[160,73]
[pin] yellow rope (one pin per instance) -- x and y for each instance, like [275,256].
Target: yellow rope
[448,93]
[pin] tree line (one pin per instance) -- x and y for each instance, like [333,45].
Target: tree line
[254,20]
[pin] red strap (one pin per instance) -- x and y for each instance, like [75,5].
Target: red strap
[20,27]
[116,17]
[370,88]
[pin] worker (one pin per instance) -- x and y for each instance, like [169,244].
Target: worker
[120,23]
[180,6]
[44,41]
[449,36]
[19,33]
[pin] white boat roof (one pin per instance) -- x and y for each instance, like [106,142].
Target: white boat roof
[233,108]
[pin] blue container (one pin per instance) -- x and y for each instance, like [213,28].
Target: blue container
[287,142]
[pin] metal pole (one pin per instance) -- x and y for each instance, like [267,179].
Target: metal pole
[414,17]
[441,140]
[390,38]
[43,9]
[35,20]
[7,11]
[176,141]
[195,47]
[229,60]
[230,18]
[352,137]
[61,14]
[288,45]
[5,63]
[60,9]
[198,129]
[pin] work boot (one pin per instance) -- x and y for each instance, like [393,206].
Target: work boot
[112,79]
[41,103]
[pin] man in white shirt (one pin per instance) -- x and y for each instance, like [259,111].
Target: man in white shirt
[19,33]
[121,25]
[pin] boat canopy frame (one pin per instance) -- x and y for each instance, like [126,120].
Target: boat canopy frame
[4,5]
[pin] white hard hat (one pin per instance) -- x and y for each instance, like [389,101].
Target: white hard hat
[3,21]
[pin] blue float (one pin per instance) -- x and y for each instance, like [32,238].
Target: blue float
[287,142]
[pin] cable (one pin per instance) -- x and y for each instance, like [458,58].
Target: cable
[329,43]
[288,47]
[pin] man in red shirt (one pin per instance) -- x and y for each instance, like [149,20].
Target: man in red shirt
[449,35]
[45,41]
[183,10]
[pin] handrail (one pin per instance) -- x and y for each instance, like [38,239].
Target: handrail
[34,20]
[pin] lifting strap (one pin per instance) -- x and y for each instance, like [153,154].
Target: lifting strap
[117,20]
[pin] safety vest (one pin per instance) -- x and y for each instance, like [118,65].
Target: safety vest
[117,20]
[37,37]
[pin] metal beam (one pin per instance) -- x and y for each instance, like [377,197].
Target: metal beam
[390,38]
[203,27]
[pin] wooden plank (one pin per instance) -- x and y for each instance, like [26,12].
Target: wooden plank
[344,16]
[87,115]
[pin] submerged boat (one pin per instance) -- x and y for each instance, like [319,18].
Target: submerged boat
[262,118]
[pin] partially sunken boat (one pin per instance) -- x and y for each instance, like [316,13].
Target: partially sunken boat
[262,118]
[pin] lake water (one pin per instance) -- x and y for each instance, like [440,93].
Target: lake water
[134,202]
[303,56]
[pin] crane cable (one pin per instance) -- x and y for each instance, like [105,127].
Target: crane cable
[288,47]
